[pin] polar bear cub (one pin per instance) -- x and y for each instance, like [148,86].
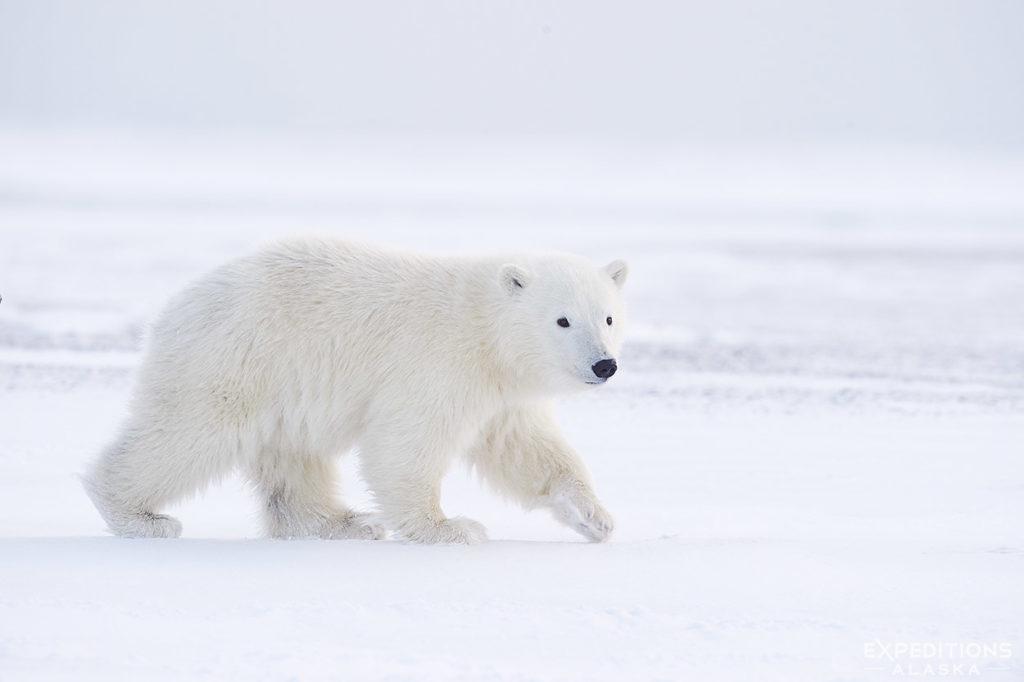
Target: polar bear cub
[278,362]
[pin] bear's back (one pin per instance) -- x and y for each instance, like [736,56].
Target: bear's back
[313,316]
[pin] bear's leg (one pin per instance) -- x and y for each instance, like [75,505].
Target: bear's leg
[146,470]
[406,484]
[523,455]
[299,500]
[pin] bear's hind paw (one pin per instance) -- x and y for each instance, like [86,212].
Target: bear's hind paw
[145,525]
[353,526]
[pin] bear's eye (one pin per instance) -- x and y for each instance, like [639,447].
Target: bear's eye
[609,321]
[562,322]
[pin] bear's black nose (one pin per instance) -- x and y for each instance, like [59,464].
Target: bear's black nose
[605,368]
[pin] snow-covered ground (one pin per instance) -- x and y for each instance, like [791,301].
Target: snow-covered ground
[813,448]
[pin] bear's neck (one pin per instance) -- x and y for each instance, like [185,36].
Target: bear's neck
[487,353]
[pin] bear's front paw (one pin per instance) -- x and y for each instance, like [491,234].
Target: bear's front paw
[574,505]
[353,526]
[459,531]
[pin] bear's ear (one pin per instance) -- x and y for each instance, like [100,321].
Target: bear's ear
[514,279]
[617,270]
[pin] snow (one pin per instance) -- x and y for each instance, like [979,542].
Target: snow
[812,449]
[813,445]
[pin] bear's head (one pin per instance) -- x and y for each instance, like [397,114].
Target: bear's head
[564,316]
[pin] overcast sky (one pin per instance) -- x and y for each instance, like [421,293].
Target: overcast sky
[925,71]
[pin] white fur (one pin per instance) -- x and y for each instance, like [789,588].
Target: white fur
[280,361]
